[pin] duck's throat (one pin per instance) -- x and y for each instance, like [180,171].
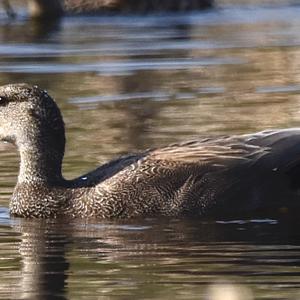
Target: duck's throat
[40,164]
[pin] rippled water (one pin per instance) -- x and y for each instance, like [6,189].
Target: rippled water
[133,82]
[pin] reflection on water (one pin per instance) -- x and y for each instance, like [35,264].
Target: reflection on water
[150,259]
[128,83]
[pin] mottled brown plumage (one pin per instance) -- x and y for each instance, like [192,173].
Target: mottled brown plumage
[55,8]
[207,177]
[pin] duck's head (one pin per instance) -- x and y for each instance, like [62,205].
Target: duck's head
[28,115]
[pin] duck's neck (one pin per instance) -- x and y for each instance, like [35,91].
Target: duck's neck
[45,8]
[40,165]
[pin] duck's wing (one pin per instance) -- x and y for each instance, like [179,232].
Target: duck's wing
[213,176]
[203,152]
[273,149]
[92,6]
[183,178]
[238,173]
[221,151]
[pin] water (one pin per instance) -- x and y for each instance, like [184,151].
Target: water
[129,83]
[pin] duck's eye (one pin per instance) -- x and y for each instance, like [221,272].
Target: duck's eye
[3,100]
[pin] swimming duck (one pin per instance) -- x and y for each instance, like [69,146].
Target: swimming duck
[205,177]
[56,8]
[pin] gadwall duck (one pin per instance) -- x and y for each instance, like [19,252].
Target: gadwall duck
[209,177]
[56,8]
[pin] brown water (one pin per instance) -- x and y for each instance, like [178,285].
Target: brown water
[133,82]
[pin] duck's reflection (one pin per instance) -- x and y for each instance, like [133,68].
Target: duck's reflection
[44,265]
[64,259]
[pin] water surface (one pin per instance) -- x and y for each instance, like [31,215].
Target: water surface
[134,82]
